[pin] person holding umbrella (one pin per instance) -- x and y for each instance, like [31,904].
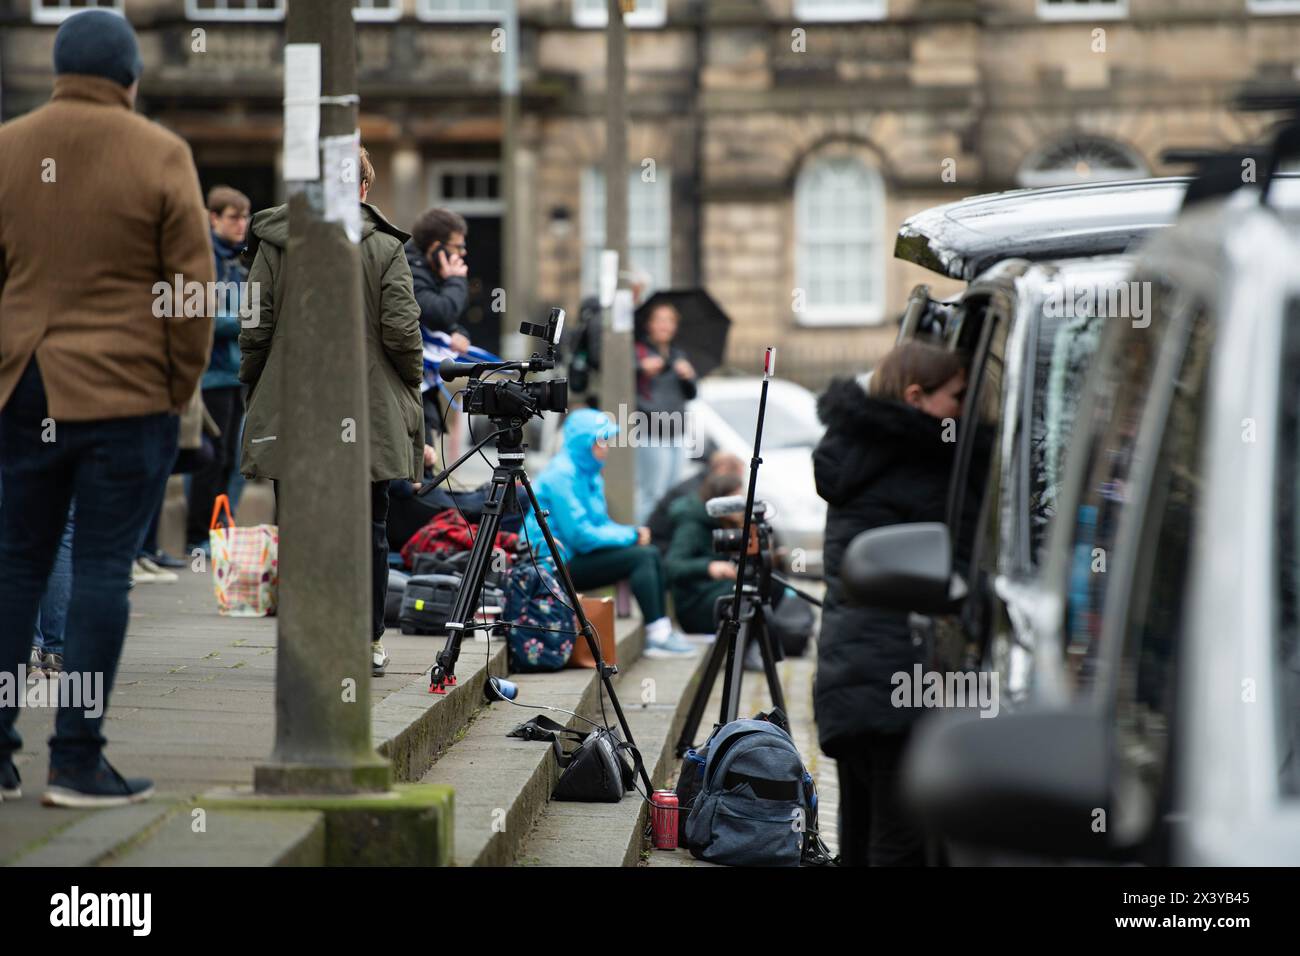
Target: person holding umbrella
[665,382]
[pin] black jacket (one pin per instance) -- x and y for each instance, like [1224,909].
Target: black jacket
[442,301]
[879,463]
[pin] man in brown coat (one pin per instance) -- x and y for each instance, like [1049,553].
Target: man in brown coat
[100,212]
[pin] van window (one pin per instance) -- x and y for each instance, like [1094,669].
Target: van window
[1063,353]
[1145,679]
[1120,389]
[1288,555]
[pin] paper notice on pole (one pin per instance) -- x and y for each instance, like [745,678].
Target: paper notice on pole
[608,277]
[342,182]
[622,318]
[302,111]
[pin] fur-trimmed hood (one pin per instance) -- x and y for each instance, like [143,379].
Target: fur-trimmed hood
[883,431]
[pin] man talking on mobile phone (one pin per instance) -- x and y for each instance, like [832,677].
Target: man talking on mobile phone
[436,254]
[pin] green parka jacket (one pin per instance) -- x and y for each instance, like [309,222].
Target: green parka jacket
[394,350]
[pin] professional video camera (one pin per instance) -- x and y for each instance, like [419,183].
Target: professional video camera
[729,542]
[515,400]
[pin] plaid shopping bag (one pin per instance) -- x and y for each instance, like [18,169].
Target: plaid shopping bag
[245,564]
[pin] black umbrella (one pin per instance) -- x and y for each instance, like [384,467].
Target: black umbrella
[702,332]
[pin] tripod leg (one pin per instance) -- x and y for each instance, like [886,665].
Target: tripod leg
[443,672]
[736,665]
[585,625]
[717,654]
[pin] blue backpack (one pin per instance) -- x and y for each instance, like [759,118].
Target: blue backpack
[755,801]
[542,629]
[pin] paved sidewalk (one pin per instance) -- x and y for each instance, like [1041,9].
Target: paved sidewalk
[797,682]
[193,707]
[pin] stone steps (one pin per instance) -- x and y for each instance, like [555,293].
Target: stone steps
[503,783]
[655,694]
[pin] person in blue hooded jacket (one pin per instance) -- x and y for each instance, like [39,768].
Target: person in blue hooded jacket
[598,550]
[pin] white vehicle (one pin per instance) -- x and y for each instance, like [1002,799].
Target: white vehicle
[724,414]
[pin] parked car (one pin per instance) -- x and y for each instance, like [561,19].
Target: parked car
[725,413]
[1165,724]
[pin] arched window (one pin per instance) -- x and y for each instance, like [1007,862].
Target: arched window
[839,259]
[1081,159]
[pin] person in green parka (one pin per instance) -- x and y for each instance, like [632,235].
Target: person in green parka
[395,369]
[697,576]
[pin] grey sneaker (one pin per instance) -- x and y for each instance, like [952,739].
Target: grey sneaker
[98,786]
[378,659]
[34,664]
[52,663]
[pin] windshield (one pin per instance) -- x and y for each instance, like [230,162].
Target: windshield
[784,426]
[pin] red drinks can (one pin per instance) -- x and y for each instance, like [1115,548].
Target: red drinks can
[663,814]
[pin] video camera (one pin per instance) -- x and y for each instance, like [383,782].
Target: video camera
[730,542]
[515,400]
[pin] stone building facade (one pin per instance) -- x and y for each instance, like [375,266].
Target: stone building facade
[774,145]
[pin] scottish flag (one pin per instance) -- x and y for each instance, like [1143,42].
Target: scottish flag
[437,348]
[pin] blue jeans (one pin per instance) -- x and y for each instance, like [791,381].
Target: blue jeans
[116,469]
[53,616]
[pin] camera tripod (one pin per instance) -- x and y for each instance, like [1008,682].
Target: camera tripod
[731,643]
[502,495]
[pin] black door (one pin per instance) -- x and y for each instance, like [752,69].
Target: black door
[484,259]
[255,182]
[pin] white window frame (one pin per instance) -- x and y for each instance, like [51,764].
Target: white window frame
[592,236]
[43,14]
[858,313]
[194,12]
[466,207]
[1269,8]
[648,15]
[842,11]
[1086,10]
[424,10]
[390,11]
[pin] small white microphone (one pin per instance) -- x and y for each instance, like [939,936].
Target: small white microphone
[732,505]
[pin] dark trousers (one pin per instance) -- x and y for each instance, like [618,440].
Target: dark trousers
[378,552]
[227,409]
[378,555]
[874,827]
[642,566]
[117,469]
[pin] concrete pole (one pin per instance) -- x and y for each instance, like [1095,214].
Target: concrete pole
[512,235]
[617,382]
[322,682]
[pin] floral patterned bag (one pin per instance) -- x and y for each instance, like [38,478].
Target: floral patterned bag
[245,564]
[542,628]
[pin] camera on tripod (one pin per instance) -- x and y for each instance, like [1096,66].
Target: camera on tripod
[515,399]
[730,542]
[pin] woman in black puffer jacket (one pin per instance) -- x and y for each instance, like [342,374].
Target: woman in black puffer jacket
[886,458]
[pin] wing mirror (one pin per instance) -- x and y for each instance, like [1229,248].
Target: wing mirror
[904,567]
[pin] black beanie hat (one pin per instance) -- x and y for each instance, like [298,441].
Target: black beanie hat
[98,43]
